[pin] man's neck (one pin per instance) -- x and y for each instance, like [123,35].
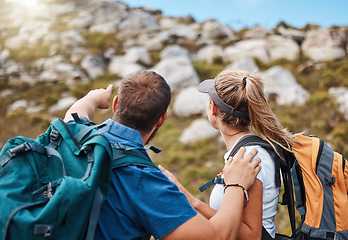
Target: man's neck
[144,136]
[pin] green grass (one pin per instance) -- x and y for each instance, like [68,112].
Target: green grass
[97,42]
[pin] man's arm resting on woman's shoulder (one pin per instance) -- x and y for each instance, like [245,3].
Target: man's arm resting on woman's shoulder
[226,222]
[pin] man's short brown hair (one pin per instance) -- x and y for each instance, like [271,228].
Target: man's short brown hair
[143,98]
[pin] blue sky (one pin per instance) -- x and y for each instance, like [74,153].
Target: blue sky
[246,13]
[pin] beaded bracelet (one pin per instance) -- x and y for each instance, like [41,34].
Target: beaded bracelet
[246,195]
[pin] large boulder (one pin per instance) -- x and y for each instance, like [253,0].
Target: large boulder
[178,30]
[189,102]
[246,64]
[280,47]
[62,105]
[257,32]
[131,62]
[138,55]
[29,34]
[212,29]
[340,94]
[122,68]
[294,34]
[71,39]
[176,68]
[93,65]
[199,129]
[56,69]
[210,53]
[107,15]
[251,48]
[138,21]
[83,20]
[323,44]
[281,83]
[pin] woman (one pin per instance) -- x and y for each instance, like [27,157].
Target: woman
[237,107]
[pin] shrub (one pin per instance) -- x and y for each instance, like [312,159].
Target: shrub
[97,42]
[206,70]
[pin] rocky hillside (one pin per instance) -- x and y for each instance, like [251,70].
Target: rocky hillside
[53,53]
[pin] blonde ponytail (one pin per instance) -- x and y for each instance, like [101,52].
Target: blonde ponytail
[244,91]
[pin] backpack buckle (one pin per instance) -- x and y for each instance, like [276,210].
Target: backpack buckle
[54,135]
[24,147]
[119,146]
[48,193]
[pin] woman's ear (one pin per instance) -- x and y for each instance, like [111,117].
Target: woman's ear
[114,104]
[213,108]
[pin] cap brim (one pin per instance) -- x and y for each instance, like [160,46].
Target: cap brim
[206,85]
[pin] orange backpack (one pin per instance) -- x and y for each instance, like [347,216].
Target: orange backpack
[320,177]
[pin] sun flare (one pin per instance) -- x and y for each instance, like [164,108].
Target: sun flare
[27,3]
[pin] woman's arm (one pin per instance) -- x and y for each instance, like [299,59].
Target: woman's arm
[201,207]
[251,227]
[226,222]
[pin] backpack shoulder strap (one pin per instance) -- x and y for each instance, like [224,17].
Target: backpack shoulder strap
[281,167]
[124,156]
[249,140]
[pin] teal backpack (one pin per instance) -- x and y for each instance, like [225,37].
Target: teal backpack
[53,187]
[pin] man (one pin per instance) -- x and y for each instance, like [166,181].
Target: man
[141,200]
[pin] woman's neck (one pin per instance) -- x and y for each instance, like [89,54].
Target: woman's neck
[230,135]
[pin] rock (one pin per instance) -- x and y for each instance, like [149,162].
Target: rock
[252,48]
[77,54]
[246,64]
[137,55]
[29,34]
[47,63]
[340,94]
[153,42]
[3,56]
[294,34]
[174,51]
[83,20]
[210,53]
[212,29]
[283,85]
[7,93]
[257,32]
[19,104]
[34,109]
[189,102]
[71,39]
[122,68]
[62,105]
[198,130]
[15,42]
[178,30]
[323,44]
[93,65]
[176,68]
[107,15]
[54,70]
[137,21]
[279,47]
[178,72]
